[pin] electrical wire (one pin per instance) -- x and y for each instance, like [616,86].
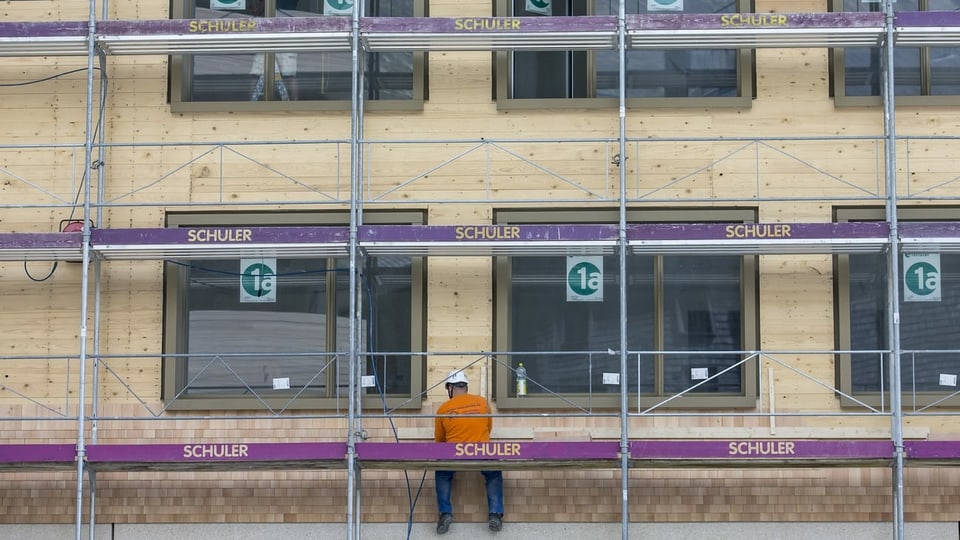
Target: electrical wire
[84,178]
[412,498]
[381,390]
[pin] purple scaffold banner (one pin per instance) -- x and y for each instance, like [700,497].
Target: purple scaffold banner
[918,229]
[49,29]
[932,450]
[478,25]
[761,450]
[37,453]
[178,236]
[487,233]
[215,452]
[40,241]
[489,451]
[757,231]
[230,25]
[741,21]
[927,18]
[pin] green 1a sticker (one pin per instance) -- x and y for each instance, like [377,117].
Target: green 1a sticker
[584,279]
[258,280]
[921,277]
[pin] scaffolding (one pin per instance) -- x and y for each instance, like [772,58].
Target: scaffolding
[92,245]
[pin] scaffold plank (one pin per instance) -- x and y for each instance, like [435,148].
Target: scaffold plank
[485,455]
[760,452]
[754,30]
[483,240]
[559,239]
[37,456]
[219,242]
[659,31]
[932,452]
[488,33]
[63,246]
[221,455]
[927,28]
[929,237]
[758,238]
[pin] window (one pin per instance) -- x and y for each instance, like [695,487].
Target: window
[293,80]
[922,75]
[927,328]
[227,347]
[669,77]
[699,311]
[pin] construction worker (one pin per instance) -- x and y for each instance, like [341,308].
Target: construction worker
[459,427]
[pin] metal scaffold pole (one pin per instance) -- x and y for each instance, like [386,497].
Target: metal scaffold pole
[85,274]
[624,383]
[356,191]
[893,274]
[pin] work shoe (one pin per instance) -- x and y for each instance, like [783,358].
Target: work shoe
[443,524]
[495,522]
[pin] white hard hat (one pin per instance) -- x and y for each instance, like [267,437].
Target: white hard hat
[457,376]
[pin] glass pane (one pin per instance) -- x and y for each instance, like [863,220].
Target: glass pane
[702,312]
[285,337]
[863,67]
[669,73]
[386,291]
[945,71]
[943,5]
[543,74]
[863,71]
[297,76]
[577,334]
[224,77]
[932,326]
[927,329]
[868,322]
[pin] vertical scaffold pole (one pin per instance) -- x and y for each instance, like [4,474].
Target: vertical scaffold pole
[624,386]
[85,275]
[893,274]
[353,408]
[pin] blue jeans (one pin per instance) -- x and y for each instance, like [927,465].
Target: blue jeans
[494,481]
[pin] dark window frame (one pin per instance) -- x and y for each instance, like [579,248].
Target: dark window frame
[179,87]
[838,74]
[851,398]
[585,61]
[175,302]
[504,379]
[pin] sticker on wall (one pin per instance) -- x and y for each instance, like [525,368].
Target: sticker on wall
[540,7]
[921,277]
[337,7]
[258,280]
[584,279]
[664,5]
[228,4]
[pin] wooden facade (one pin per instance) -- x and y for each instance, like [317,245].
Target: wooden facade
[82,333]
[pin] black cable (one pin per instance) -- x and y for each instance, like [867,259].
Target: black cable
[381,390]
[44,278]
[45,79]
[84,177]
[371,347]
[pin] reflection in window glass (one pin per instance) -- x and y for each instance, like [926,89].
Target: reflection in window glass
[918,71]
[924,327]
[701,312]
[650,73]
[295,76]
[295,334]
[577,334]
[697,309]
